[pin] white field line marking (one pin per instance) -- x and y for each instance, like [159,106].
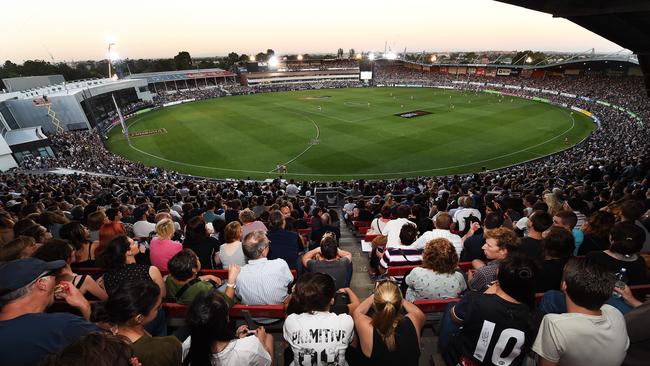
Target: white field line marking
[309,146]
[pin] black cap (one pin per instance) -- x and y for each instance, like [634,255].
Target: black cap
[20,272]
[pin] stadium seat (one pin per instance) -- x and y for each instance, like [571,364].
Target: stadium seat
[221,273]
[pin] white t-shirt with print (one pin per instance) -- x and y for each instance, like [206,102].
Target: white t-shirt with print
[319,338]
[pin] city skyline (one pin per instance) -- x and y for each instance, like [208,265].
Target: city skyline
[80,31]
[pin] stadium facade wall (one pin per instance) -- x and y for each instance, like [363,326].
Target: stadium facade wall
[67,108]
[24,112]
[6,159]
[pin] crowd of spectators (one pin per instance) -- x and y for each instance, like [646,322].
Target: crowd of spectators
[54,226]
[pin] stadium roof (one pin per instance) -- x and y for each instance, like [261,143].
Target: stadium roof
[624,22]
[158,77]
[74,87]
[24,135]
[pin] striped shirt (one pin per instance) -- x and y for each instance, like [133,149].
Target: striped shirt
[401,256]
[484,276]
[263,282]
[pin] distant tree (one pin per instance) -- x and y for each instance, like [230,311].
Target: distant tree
[206,64]
[233,57]
[183,61]
[261,57]
[270,53]
[244,57]
[164,65]
[351,53]
[339,53]
[38,67]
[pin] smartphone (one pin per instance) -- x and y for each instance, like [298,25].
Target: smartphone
[250,323]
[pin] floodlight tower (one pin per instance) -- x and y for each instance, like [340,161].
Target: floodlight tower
[110,58]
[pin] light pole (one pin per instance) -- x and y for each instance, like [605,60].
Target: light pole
[110,59]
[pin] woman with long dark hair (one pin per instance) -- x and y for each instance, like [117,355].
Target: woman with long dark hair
[118,259]
[128,309]
[212,340]
[79,237]
[199,240]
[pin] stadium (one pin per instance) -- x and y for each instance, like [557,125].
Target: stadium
[364,208]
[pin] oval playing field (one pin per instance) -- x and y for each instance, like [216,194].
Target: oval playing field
[349,133]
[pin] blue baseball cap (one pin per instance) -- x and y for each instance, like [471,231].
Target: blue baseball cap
[21,272]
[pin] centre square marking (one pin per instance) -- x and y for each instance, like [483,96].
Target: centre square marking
[412,114]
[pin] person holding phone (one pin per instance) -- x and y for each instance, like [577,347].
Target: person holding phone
[213,342]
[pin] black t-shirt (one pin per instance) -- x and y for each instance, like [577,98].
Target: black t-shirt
[637,272]
[407,347]
[204,249]
[473,248]
[531,248]
[550,275]
[494,331]
[593,243]
[128,272]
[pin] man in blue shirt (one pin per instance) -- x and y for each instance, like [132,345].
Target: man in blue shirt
[29,334]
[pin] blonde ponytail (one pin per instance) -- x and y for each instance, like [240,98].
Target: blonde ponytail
[387,302]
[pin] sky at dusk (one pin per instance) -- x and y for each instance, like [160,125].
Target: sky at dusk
[80,30]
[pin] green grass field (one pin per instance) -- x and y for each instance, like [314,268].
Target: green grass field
[354,134]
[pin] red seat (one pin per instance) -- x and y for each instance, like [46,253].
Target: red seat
[370,237]
[304,232]
[237,311]
[359,224]
[404,270]
[434,306]
[221,273]
[363,230]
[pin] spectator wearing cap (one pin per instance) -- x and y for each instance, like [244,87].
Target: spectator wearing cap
[142,227]
[28,333]
[632,211]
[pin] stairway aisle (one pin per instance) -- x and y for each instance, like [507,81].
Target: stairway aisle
[362,285]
